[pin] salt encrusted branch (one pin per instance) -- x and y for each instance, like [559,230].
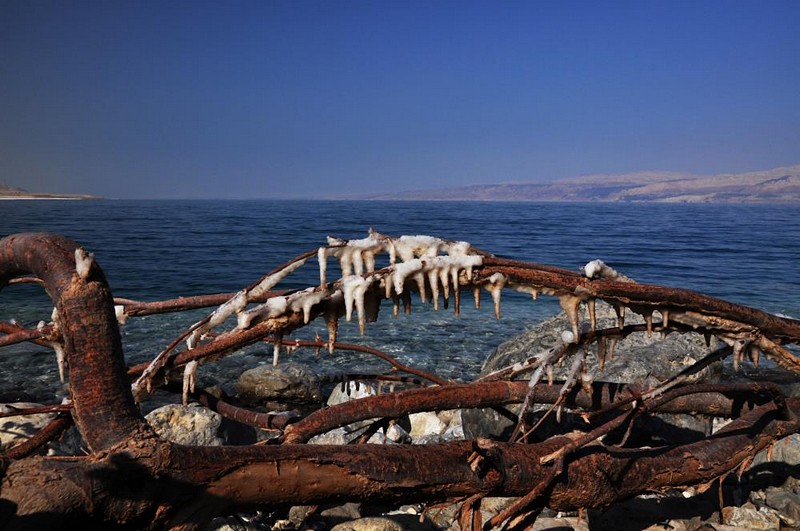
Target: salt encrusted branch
[235,304]
[421,262]
[299,474]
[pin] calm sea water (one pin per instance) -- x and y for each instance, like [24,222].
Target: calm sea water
[153,250]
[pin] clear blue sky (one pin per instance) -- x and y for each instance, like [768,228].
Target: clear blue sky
[138,99]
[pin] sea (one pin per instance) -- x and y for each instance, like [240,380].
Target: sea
[160,249]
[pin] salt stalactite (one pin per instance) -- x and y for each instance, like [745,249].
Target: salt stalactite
[476,293]
[404,270]
[276,349]
[354,288]
[406,298]
[648,319]
[332,323]
[598,269]
[395,304]
[61,358]
[443,269]
[601,352]
[322,259]
[591,309]
[419,260]
[664,317]
[372,305]
[524,288]
[355,256]
[495,285]
[433,281]
[387,283]
[189,379]
[119,312]
[587,379]
[273,307]
[444,275]
[620,311]
[571,304]
[754,354]
[612,347]
[83,262]
[739,348]
[305,300]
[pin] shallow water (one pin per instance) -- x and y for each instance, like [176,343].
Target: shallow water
[152,250]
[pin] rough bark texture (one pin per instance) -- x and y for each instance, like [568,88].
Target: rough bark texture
[133,479]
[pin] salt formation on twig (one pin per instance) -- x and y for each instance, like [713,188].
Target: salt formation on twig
[495,286]
[435,267]
[420,260]
[597,269]
[189,379]
[83,262]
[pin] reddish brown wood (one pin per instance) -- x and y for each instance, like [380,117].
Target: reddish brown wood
[104,408]
[134,479]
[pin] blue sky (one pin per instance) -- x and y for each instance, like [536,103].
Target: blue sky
[202,99]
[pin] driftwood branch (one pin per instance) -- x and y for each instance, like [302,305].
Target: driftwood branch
[134,478]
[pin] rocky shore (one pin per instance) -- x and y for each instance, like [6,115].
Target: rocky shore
[766,496]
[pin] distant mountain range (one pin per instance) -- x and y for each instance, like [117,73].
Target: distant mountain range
[10,192]
[776,185]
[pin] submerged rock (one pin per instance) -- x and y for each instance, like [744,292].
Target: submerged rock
[637,358]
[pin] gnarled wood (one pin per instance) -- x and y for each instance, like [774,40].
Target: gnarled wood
[135,479]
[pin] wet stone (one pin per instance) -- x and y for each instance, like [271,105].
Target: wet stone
[288,382]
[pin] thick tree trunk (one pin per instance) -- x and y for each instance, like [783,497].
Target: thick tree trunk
[133,479]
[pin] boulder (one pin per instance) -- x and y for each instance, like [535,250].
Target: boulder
[16,430]
[786,504]
[288,382]
[426,423]
[637,358]
[397,433]
[749,517]
[191,425]
[390,522]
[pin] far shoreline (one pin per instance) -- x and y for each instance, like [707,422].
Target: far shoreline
[46,198]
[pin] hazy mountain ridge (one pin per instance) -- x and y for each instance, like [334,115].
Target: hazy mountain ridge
[12,192]
[775,185]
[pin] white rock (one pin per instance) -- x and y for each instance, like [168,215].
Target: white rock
[190,425]
[16,430]
[426,423]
